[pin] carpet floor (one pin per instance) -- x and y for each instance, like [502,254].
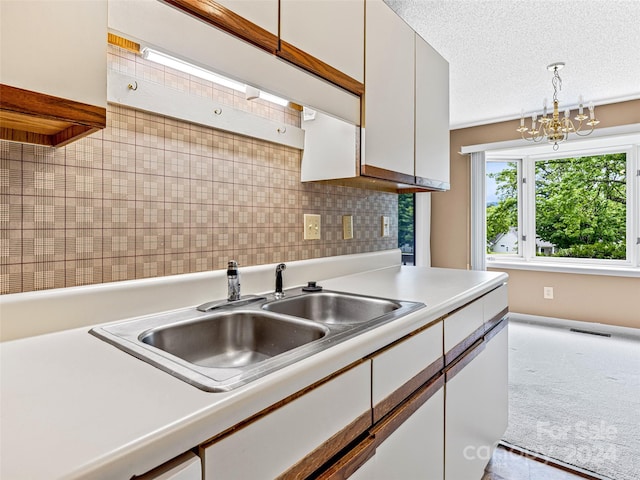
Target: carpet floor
[575,397]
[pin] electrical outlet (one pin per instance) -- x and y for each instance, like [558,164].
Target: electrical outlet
[548,293]
[311,227]
[386,226]
[347,227]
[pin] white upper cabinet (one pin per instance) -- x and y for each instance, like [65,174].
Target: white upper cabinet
[389,91]
[43,43]
[330,30]
[432,116]
[53,70]
[157,24]
[263,13]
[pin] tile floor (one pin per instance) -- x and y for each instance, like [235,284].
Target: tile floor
[506,465]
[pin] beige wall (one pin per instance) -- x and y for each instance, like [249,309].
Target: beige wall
[150,196]
[589,298]
[593,298]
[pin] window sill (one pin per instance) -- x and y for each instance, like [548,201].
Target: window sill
[609,270]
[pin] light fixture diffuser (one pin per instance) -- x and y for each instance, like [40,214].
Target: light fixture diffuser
[188,68]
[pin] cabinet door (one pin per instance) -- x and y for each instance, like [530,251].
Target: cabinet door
[156,23]
[476,409]
[389,92]
[272,444]
[416,449]
[264,13]
[432,117]
[330,30]
[462,329]
[42,44]
[402,368]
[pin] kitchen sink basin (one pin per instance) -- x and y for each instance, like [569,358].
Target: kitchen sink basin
[333,307]
[232,339]
[229,344]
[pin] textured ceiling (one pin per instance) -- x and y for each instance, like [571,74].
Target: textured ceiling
[498,51]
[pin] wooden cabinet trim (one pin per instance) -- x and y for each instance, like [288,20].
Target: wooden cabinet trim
[435,185]
[353,460]
[398,416]
[405,338]
[257,416]
[384,174]
[32,117]
[124,43]
[491,323]
[221,17]
[480,332]
[314,460]
[310,63]
[496,328]
[399,395]
[453,369]
[464,345]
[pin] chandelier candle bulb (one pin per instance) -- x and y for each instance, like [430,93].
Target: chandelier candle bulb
[591,111]
[581,107]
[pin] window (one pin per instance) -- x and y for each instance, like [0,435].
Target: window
[502,200]
[579,209]
[406,227]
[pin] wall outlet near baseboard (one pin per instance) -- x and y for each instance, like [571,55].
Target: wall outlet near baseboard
[547,293]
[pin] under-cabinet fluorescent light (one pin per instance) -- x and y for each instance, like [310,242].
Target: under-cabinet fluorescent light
[273,99]
[172,62]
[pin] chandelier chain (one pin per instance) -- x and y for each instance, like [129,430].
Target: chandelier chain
[556,81]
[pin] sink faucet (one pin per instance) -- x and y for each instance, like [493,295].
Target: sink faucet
[233,278]
[279,269]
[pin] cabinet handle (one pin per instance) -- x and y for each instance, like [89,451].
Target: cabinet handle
[282,130]
[351,461]
[133,86]
[218,111]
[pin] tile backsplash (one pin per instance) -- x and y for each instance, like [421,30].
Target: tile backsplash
[152,196]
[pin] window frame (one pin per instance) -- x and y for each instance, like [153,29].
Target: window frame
[527,259]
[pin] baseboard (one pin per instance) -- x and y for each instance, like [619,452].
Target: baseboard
[538,457]
[561,323]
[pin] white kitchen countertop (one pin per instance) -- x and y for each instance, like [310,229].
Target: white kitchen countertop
[73,406]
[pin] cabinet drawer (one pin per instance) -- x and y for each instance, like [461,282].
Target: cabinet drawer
[464,325]
[402,368]
[495,305]
[277,441]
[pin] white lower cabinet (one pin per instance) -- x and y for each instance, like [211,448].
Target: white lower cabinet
[476,410]
[269,446]
[405,412]
[399,364]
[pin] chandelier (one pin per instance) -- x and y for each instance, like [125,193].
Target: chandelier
[554,129]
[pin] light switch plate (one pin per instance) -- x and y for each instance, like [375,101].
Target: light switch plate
[347,227]
[311,227]
[386,226]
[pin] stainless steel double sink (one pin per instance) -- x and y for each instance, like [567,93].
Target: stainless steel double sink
[230,346]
